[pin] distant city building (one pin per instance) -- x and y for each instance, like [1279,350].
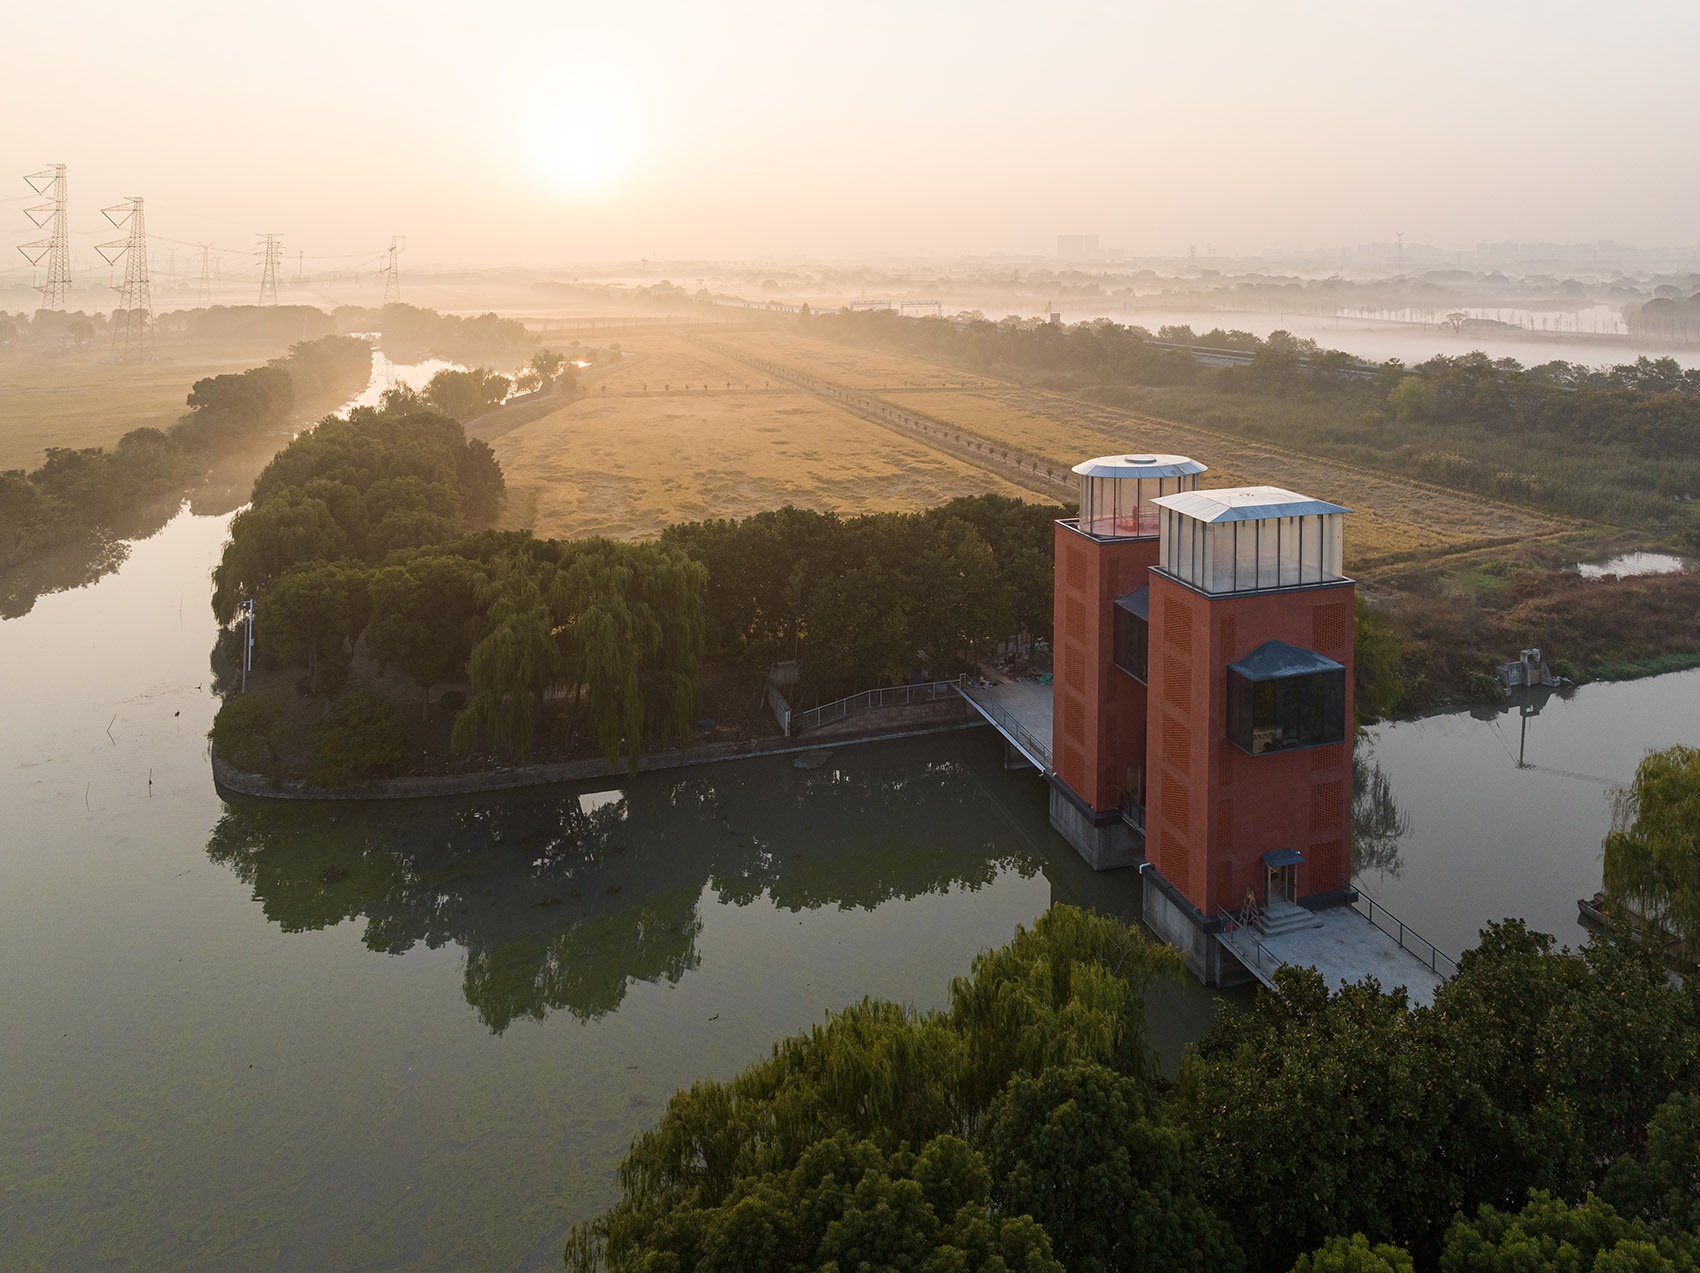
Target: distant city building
[1079,247]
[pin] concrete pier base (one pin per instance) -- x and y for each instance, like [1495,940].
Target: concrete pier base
[1181,924]
[1103,839]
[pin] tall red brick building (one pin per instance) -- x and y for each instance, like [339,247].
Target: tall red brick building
[1203,701]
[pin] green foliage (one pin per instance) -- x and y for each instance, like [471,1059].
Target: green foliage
[1661,1184]
[1380,684]
[358,742]
[868,600]
[247,732]
[859,1091]
[1551,1236]
[846,1205]
[315,612]
[1355,1255]
[1316,1115]
[1073,1149]
[425,614]
[460,395]
[1652,853]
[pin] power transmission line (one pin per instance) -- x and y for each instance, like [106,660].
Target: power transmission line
[56,247]
[392,271]
[132,324]
[272,254]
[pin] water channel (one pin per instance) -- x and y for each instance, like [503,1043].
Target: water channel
[246,1034]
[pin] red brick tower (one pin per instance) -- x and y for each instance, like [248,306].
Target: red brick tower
[1098,725]
[1249,735]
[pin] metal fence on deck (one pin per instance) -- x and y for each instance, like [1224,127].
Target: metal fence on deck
[1236,934]
[1407,937]
[1005,720]
[871,701]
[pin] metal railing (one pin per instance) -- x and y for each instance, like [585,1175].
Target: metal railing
[1133,813]
[1267,960]
[871,701]
[1407,937]
[1006,722]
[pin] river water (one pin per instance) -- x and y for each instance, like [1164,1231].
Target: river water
[251,1034]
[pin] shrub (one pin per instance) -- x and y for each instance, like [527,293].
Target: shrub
[247,731]
[359,741]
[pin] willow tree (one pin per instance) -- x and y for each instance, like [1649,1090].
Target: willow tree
[515,663]
[628,619]
[1652,852]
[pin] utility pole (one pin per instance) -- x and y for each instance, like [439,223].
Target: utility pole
[246,610]
[271,254]
[392,270]
[132,324]
[55,249]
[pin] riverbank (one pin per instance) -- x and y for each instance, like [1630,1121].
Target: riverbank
[885,725]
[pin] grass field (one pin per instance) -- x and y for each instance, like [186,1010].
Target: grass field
[78,397]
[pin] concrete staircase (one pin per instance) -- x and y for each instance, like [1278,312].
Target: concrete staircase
[1284,917]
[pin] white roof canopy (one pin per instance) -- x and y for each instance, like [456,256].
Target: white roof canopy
[1139,466]
[1245,504]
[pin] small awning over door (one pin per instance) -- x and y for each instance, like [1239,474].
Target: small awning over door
[1275,859]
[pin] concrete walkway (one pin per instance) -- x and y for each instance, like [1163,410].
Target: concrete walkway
[1021,712]
[1344,947]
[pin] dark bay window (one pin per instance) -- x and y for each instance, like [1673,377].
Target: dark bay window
[1281,697]
[1132,632]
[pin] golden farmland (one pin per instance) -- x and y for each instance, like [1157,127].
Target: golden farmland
[628,464]
[1395,517]
[79,397]
[847,365]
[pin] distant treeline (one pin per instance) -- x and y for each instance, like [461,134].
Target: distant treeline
[1620,444]
[80,493]
[1668,317]
[873,600]
[362,541]
[407,331]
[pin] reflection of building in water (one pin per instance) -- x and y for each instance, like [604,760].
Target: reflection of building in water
[562,902]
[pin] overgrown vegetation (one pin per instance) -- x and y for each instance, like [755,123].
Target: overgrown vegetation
[78,493]
[409,332]
[1538,1116]
[1620,445]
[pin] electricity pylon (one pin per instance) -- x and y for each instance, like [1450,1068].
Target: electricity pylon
[271,253]
[55,249]
[204,284]
[392,270]
[132,324]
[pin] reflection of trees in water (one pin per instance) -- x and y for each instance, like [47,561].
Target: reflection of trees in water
[1378,823]
[562,902]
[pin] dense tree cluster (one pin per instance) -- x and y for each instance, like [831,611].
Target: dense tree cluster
[1621,444]
[873,600]
[361,536]
[1539,1116]
[79,492]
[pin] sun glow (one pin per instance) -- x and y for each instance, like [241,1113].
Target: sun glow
[585,139]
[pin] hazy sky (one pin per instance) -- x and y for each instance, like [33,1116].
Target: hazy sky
[517,132]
